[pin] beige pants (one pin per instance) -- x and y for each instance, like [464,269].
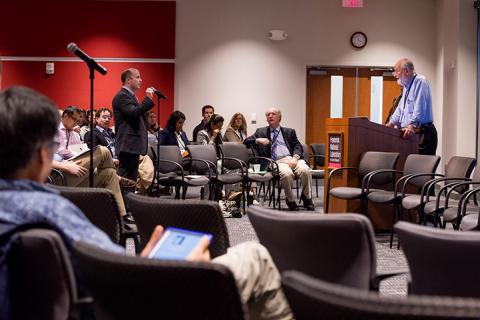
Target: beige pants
[105,174]
[145,174]
[301,171]
[258,281]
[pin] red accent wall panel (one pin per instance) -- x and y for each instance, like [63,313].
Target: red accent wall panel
[125,29]
[70,84]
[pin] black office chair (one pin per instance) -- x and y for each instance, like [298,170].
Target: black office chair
[442,262]
[312,298]
[42,280]
[139,288]
[339,247]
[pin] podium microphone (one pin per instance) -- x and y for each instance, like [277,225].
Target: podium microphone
[158,93]
[73,48]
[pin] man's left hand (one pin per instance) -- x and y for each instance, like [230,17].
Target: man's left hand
[293,163]
[408,132]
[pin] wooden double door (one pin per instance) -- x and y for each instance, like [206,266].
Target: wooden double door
[355,97]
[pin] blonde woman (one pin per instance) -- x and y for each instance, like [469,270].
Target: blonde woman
[237,129]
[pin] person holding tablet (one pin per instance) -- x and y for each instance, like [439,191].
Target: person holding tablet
[25,200]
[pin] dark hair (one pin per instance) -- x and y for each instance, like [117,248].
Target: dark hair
[20,108]
[174,117]
[126,74]
[214,119]
[71,110]
[207,107]
[99,112]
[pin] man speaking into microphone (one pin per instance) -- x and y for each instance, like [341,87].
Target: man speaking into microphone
[130,129]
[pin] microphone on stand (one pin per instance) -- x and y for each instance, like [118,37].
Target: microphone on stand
[73,48]
[158,93]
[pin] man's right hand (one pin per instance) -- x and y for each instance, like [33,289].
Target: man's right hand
[263,141]
[149,93]
[74,168]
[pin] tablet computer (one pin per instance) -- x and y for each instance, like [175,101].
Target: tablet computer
[176,244]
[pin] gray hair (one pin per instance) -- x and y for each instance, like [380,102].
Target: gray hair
[407,64]
[276,110]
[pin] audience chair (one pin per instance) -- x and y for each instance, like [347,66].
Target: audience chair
[454,210]
[42,280]
[317,174]
[218,179]
[99,206]
[198,215]
[56,177]
[415,164]
[441,262]
[235,157]
[171,171]
[457,170]
[312,298]
[318,154]
[370,161]
[339,248]
[140,288]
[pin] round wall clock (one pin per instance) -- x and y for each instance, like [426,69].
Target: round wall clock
[358,39]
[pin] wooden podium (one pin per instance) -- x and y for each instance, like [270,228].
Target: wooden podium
[347,139]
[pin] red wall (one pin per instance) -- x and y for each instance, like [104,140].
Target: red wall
[102,29]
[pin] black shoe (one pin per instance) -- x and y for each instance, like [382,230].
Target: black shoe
[128,218]
[307,203]
[292,206]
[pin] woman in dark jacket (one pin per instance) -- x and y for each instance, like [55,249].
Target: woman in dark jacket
[173,135]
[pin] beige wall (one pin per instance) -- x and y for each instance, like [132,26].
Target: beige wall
[224,57]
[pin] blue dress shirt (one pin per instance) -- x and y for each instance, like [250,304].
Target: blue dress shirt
[415,106]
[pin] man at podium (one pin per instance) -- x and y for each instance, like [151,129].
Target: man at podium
[414,111]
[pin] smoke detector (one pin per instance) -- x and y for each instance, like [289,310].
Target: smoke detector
[277,35]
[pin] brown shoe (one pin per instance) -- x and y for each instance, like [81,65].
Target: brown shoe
[125,182]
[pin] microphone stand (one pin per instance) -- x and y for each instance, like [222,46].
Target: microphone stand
[158,141]
[91,169]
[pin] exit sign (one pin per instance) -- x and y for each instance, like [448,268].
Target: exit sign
[352,3]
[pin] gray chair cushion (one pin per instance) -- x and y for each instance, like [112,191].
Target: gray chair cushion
[450,215]
[347,193]
[381,196]
[431,205]
[411,201]
[469,222]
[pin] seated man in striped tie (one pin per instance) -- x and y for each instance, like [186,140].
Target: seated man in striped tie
[281,144]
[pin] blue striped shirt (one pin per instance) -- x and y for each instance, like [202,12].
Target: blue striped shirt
[416,108]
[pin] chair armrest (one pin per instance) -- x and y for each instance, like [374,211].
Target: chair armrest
[338,170]
[380,276]
[413,176]
[243,165]
[207,164]
[368,177]
[272,163]
[462,206]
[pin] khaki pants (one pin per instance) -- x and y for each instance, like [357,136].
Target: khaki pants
[302,171]
[145,174]
[105,174]
[258,281]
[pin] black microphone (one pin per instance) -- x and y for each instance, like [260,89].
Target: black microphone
[158,93]
[73,48]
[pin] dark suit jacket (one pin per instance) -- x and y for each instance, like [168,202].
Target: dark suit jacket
[130,125]
[291,140]
[98,139]
[168,138]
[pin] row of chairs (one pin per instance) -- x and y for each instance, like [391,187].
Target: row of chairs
[333,257]
[416,187]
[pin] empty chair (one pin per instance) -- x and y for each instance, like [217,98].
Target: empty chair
[140,288]
[317,174]
[42,280]
[235,157]
[198,215]
[339,248]
[318,150]
[171,172]
[56,177]
[415,164]
[442,262]
[370,161]
[208,154]
[312,298]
